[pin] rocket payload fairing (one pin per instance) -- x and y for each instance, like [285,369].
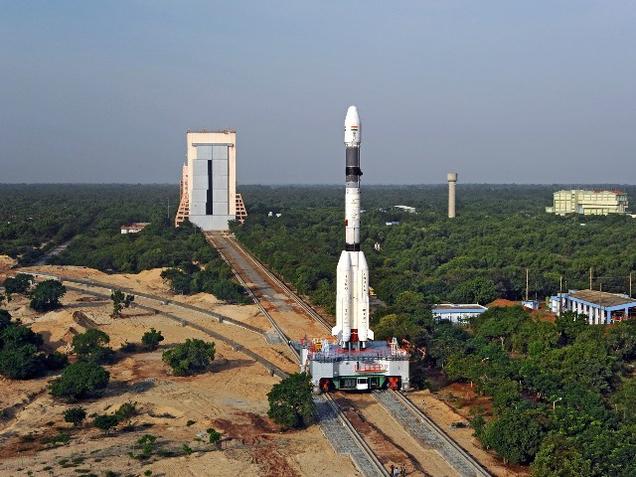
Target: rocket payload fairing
[352,294]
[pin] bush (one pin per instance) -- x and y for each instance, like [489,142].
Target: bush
[193,356]
[91,346]
[20,354]
[147,445]
[75,415]
[126,411]
[105,422]
[120,301]
[151,339]
[290,402]
[46,295]
[21,362]
[56,360]
[214,437]
[5,319]
[80,380]
[19,284]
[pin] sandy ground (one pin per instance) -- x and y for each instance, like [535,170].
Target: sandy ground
[231,398]
[444,415]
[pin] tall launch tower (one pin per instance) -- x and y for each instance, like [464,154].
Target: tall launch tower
[355,361]
[352,292]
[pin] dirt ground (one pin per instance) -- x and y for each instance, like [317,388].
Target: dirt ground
[445,415]
[231,398]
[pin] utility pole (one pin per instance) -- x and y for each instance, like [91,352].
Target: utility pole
[527,283]
[630,284]
[591,270]
[561,284]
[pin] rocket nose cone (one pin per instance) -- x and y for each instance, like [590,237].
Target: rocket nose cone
[352,118]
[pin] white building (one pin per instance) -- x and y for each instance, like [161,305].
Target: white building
[601,308]
[208,185]
[589,202]
[406,208]
[457,313]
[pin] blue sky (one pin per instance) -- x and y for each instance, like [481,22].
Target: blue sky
[533,92]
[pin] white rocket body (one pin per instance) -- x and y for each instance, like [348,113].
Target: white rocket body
[352,294]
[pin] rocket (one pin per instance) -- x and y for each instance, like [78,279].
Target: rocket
[352,294]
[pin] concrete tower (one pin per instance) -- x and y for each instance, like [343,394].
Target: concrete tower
[452,183]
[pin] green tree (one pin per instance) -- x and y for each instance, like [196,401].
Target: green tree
[290,402]
[75,415]
[559,456]
[477,290]
[515,435]
[151,339]
[80,380]
[121,300]
[91,346]
[20,362]
[624,399]
[46,295]
[193,356]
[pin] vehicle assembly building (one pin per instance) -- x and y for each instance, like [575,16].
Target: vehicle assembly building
[589,202]
[355,361]
[208,182]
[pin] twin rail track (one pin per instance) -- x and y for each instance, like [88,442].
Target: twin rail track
[407,414]
[272,368]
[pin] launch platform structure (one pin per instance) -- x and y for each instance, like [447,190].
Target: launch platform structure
[354,361]
[184,202]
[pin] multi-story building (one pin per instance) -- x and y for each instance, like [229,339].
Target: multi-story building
[208,184]
[589,202]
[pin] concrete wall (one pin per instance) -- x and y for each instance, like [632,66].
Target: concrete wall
[223,178]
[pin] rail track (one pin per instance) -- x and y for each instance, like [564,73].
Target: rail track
[410,417]
[273,369]
[335,425]
[423,429]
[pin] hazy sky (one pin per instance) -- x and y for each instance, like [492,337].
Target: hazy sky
[502,91]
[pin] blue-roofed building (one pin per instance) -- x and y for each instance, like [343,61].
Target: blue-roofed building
[457,313]
[601,308]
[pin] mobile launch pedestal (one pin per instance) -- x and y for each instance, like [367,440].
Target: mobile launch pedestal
[354,361]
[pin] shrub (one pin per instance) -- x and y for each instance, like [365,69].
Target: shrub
[75,415]
[126,411]
[80,380]
[105,422]
[46,295]
[121,300]
[147,445]
[213,436]
[193,356]
[19,284]
[91,346]
[290,402]
[5,319]
[151,339]
[56,360]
